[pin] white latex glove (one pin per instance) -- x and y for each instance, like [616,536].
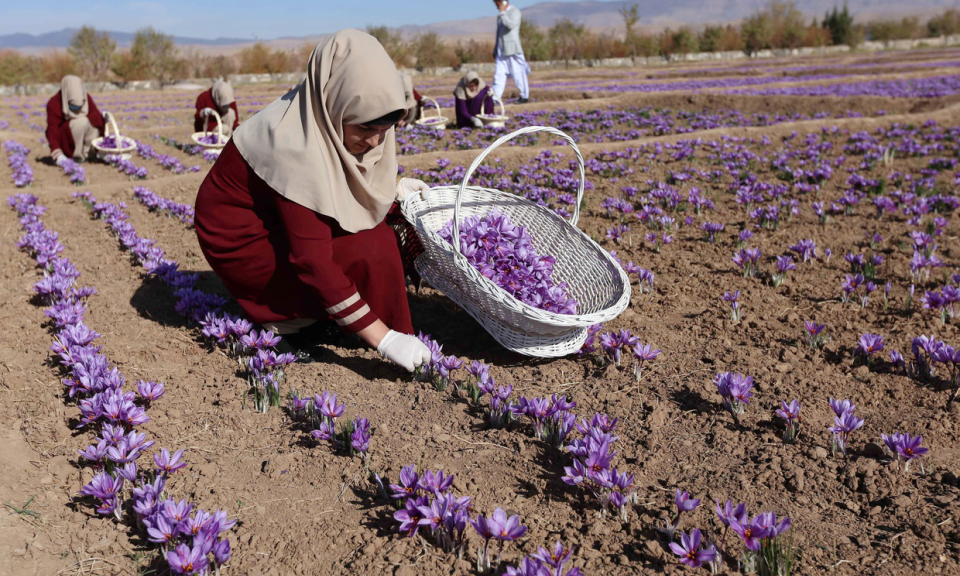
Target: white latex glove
[477,123]
[403,349]
[407,186]
[206,112]
[58,156]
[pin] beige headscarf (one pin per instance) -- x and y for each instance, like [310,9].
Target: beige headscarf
[407,80]
[296,143]
[222,93]
[73,92]
[463,90]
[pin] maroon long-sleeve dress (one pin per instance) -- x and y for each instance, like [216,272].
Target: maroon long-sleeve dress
[282,261]
[482,103]
[58,127]
[205,100]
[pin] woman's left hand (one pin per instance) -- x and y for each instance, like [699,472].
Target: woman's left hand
[407,186]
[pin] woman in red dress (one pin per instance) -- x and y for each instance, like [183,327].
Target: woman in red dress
[219,98]
[73,121]
[291,216]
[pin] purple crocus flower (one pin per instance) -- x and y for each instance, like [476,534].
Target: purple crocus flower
[169,464]
[904,447]
[187,560]
[150,390]
[870,344]
[615,342]
[505,528]
[751,533]
[326,404]
[431,482]
[841,407]
[791,415]
[410,517]
[738,512]
[684,502]
[689,550]
[408,482]
[643,353]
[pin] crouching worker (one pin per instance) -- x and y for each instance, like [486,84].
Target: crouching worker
[291,215]
[473,97]
[219,98]
[73,121]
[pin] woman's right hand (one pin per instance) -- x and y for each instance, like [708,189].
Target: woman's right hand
[407,186]
[405,350]
[477,123]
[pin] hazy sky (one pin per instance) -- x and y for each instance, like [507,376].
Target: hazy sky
[235,18]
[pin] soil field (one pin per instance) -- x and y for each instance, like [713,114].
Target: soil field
[773,169]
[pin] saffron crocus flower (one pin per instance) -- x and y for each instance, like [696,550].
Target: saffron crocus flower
[815,337]
[768,520]
[684,502]
[841,407]
[845,425]
[326,405]
[690,552]
[807,249]
[734,299]
[711,229]
[784,265]
[615,342]
[167,462]
[728,511]
[643,353]
[555,558]
[150,391]
[431,482]
[410,517]
[187,560]
[791,415]
[904,447]
[504,528]
[221,551]
[870,344]
[734,388]
[408,483]
[325,433]
[751,533]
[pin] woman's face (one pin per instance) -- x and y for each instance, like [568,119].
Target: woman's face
[474,85]
[361,138]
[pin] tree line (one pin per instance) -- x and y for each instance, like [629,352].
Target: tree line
[779,25]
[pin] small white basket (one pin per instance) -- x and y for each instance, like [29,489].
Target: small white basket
[495,120]
[214,148]
[124,152]
[599,285]
[438,122]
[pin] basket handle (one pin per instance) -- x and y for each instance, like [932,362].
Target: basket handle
[439,115]
[111,123]
[503,139]
[219,125]
[503,109]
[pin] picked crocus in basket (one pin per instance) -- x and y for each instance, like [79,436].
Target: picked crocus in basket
[533,280]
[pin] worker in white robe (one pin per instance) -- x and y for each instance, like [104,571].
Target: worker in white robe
[508,53]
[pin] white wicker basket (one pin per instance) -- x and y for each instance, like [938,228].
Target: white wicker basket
[215,148]
[438,122]
[495,120]
[599,285]
[124,152]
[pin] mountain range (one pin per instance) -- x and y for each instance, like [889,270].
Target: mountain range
[597,15]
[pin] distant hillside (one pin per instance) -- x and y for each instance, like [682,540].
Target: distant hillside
[597,15]
[656,14]
[61,39]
